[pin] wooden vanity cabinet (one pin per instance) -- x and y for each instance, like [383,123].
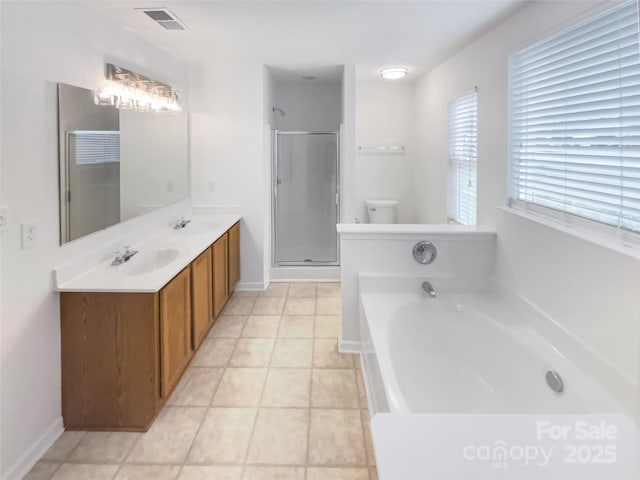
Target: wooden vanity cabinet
[175,330]
[110,360]
[124,353]
[234,257]
[201,297]
[220,251]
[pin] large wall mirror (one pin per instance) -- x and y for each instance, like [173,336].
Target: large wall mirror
[116,164]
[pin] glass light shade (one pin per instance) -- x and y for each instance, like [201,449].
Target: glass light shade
[394,73]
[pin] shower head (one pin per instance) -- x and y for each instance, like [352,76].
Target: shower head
[279,110]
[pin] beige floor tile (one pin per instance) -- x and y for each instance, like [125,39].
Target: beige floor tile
[224,436]
[42,470]
[228,326]
[328,326]
[63,446]
[300,306]
[280,437]
[334,388]
[240,387]
[261,326]
[273,473]
[239,306]
[362,391]
[296,326]
[326,355]
[252,352]
[314,473]
[170,436]
[276,289]
[211,473]
[371,458]
[246,293]
[196,387]
[328,306]
[292,352]
[329,289]
[335,438]
[148,472]
[373,473]
[287,387]
[214,352]
[80,471]
[302,289]
[268,306]
[103,447]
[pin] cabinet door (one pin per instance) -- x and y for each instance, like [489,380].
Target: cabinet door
[234,257]
[201,297]
[220,274]
[175,330]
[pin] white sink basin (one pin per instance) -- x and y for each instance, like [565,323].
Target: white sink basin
[199,228]
[148,262]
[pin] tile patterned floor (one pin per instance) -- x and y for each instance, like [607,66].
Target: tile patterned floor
[267,397]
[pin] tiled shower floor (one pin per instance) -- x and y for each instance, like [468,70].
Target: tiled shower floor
[267,397]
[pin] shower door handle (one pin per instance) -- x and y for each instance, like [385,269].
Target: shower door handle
[278,181]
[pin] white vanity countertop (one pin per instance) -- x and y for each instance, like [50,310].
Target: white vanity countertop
[161,257]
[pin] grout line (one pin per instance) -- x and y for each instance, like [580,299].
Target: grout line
[207,409]
[255,420]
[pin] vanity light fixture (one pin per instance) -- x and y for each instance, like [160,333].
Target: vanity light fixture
[394,73]
[129,90]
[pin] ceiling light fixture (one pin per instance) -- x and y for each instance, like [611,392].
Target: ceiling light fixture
[394,73]
[129,90]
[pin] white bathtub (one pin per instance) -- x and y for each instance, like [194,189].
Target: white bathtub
[474,352]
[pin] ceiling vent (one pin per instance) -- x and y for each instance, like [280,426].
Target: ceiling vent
[165,18]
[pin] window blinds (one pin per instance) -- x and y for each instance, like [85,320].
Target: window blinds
[95,146]
[575,120]
[463,140]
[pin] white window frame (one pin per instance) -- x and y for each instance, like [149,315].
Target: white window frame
[462,148]
[589,227]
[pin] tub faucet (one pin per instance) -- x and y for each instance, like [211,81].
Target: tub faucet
[427,287]
[125,256]
[181,224]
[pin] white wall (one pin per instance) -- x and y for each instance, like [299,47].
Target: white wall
[464,253]
[591,294]
[163,138]
[44,43]
[385,116]
[309,106]
[227,154]
[589,290]
[483,63]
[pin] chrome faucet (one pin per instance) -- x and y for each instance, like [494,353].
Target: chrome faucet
[181,224]
[125,256]
[427,287]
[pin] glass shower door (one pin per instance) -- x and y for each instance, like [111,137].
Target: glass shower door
[306,198]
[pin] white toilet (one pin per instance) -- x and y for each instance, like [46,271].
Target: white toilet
[382,211]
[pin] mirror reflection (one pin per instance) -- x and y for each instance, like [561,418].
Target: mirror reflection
[116,164]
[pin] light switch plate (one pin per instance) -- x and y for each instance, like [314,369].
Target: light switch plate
[4,219]
[29,232]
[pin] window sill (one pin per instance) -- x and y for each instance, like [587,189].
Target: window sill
[580,232]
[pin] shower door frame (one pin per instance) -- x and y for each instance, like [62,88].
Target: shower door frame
[274,198]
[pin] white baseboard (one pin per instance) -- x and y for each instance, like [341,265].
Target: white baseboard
[348,346]
[251,286]
[29,458]
[317,273]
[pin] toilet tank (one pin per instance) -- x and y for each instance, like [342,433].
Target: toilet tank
[382,211]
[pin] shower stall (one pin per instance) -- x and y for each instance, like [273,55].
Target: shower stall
[305,189]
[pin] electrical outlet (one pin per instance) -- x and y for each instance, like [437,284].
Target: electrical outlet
[29,231]
[4,218]
[171,186]
[212,186]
